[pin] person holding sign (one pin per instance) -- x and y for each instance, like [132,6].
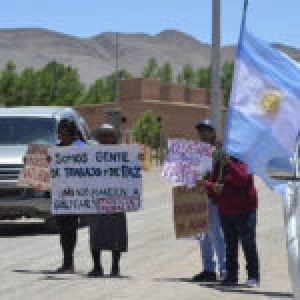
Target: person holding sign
[68,135]
[107,231]
[236,198]
[213,241]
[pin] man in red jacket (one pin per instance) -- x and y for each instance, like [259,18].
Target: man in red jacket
[236,199]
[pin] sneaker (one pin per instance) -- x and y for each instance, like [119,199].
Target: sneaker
[229,281]
[252,283]
[205,276]
[65,270]
[96,273]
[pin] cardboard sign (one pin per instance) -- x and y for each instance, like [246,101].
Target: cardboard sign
[98,179]
[35,173]
[190,212]
[186,161]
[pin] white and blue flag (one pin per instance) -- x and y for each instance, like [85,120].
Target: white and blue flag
[263,118]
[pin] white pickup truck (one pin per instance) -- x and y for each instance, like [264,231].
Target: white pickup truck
[20,126]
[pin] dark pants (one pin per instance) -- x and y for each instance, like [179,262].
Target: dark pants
[241,227]
[68,236]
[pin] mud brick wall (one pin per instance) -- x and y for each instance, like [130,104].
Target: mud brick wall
[178,108]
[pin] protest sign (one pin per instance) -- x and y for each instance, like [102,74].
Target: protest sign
[35,173]
[186,161]
[190,212]
[96,179]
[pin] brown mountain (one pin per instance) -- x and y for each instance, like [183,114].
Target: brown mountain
[95,57]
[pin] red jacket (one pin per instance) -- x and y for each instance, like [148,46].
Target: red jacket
[239,193]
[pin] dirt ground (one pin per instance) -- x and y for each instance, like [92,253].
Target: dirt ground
[157,266]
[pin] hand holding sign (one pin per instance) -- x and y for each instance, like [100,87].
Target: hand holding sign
[217,188]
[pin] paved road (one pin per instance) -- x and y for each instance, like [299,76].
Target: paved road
[156,267]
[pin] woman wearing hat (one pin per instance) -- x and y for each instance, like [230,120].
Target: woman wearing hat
[108,232]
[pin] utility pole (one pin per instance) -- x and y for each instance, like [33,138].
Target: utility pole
[117,91]
[215,67]
[113,115]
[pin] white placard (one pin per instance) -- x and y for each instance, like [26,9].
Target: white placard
[96,179]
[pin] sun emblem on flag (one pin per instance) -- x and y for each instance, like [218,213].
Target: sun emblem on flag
[270,101]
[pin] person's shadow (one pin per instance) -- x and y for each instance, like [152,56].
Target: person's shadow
[30,228]
[243,289]
[21,228]
[238,289]
[53,275]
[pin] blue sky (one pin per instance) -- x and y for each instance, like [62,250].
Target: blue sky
[272,20]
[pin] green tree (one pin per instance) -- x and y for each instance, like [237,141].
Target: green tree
[226,79]
[109,92]
[94,94]
[165,73]
[151,69]
[146,129]
[8,81]
[26,87]
[58,84]
[103,90]
[69,87]
[187,76]
[203,77]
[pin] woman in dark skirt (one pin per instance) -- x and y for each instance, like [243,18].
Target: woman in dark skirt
[108,232]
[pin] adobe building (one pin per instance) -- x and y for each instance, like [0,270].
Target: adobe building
[177,107]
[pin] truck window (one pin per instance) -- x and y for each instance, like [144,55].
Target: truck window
[27,130]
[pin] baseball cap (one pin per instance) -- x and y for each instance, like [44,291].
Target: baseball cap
[206,123]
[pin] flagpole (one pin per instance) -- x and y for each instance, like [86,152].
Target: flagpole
[244,13]
[243,22]
[215,67]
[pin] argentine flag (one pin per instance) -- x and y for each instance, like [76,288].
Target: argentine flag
[263,118]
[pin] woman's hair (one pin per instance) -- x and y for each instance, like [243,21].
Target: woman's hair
[69,126]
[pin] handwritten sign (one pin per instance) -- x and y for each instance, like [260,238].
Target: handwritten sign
[35,173]
[190,212]
[98,179]
[186,161]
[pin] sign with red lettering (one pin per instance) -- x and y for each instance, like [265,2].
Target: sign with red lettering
[186,161]
[35,173]
[190,211]
[98,179]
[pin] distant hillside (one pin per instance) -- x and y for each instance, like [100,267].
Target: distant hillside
[95,57]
